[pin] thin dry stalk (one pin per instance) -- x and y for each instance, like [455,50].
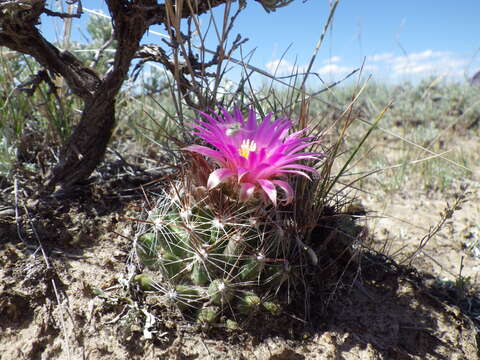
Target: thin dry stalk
[445,215]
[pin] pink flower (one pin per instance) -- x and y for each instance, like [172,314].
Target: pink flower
[256,157]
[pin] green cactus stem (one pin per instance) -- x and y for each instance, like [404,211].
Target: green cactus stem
[220,292]
[249,303]
[145,281]
[208,315]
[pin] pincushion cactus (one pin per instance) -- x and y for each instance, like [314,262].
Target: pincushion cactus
[209,254]
[207,248]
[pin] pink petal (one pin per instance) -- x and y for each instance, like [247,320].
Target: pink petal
[259,169]
[241,172]
[206,116]
[246,191]
[296,172]
[298,166]
[253,160]
[300,147]
[237,116]
[268,132]
[269,189]
[296,134]
[252,120]
[284,131]
[272,170]
[206,151]
[286,188]
[218,176]
[287,159]
[263,125]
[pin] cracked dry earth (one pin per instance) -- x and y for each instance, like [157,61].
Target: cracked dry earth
[50,308]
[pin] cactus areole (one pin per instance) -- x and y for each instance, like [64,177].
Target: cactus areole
[254,156]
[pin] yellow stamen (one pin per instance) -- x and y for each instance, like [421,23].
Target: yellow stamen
[247,147]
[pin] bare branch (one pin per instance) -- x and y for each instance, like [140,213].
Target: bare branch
[157,14]
[35,81]
[18,32]
[77,15]
[130,20]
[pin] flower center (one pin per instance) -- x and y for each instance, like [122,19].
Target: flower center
[247,147]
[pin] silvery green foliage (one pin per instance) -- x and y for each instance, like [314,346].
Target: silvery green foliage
[210,255]
[7,156]
[98,52]
[430,103]
[426,113]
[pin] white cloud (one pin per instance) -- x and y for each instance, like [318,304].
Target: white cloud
[428,54]
[387,65]
[333,59]
[371,67]
[428,62]
[283,67]
[403,68]
[334,70]
[380,57]
[419,64]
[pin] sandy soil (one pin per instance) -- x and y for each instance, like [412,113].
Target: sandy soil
[59,286]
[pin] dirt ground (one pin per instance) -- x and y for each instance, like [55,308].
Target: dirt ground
[405,219]
[60,265]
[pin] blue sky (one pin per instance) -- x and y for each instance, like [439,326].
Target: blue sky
[401,40]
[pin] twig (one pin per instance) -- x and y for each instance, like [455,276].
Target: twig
[99,52]
[17,213]
[47,263]
[77,15]
[65,335]
[319,43]
[35,82]
[446,214]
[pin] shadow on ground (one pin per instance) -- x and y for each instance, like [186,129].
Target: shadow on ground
[50,308]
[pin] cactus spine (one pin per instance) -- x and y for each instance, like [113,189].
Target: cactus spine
[212,252]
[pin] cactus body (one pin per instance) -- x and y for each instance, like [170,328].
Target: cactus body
[210,252]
